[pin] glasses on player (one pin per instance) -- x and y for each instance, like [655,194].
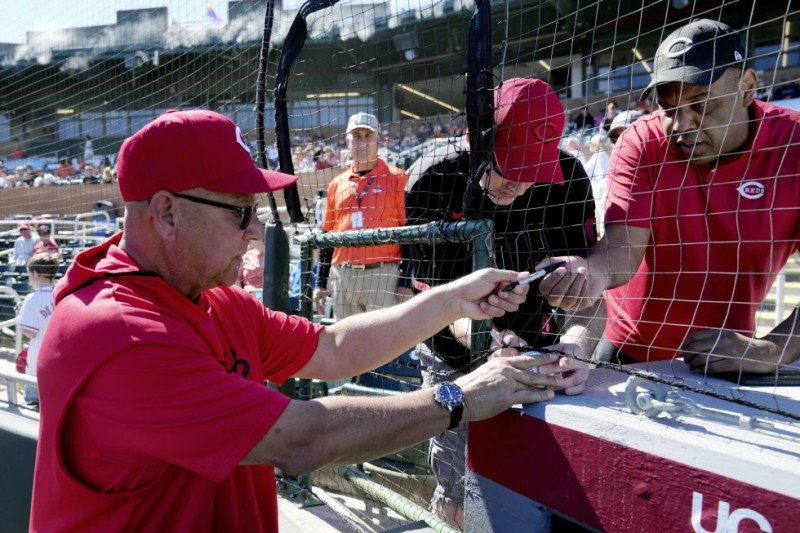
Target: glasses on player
[245,212]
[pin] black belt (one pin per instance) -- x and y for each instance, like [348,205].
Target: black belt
[370,266]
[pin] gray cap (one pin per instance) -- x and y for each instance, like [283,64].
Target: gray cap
[623,120]
[363,120]
[698,54]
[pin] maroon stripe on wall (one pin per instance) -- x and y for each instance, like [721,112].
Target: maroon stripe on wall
[615,488]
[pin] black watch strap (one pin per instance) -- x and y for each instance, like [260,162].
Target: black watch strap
[455,416]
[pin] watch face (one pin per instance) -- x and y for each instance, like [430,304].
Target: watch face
[449,394]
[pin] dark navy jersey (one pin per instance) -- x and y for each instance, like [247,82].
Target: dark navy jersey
[548,220]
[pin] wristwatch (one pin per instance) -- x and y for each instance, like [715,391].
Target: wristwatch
[451,397]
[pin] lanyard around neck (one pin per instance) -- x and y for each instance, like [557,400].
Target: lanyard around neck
[360,196]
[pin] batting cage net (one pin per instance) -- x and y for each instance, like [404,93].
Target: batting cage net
[644,150]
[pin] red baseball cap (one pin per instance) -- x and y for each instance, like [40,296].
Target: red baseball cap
[182,150]
[530,121]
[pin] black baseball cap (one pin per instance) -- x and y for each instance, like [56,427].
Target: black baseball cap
[698,54]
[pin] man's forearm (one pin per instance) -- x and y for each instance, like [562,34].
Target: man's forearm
[786,336]
[617,256]
[405,419]
[371,339]
[585,328]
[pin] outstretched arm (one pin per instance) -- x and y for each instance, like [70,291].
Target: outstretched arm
[718,350]
[363,342]
[580,283]
[356,429]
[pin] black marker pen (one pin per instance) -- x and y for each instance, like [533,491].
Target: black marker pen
[536,275]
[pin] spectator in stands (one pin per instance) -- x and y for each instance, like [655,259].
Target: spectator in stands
[155,416]
[16,151]
[612,110]
[19,176]
[597,165]
[36,311]
[45,243]
[583,119]
[251,271]
[540,201]
[423,132]
[572,145]
[367,195]
[322,158]
[272,156]
[5,183]
[108,175]
[88,150]
[65,169]
[307,164]
[409,139]
[23,245]
[597,169]
[91,174]
[702,214]
[28,176]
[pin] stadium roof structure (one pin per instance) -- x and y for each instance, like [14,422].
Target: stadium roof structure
[143,61]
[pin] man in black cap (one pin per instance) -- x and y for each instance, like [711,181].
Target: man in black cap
[702,214]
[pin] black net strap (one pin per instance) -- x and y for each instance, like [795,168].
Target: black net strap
[295,40]
[261,90]
[480,99]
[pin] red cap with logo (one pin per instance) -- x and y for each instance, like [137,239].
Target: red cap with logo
[530,121]
[182,150]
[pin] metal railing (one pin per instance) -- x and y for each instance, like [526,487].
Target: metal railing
[479,232]
[15,383]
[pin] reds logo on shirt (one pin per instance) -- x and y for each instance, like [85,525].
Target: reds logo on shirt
[752,190]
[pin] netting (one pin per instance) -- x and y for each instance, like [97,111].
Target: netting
[431,74]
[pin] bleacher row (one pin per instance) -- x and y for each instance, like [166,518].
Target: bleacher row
[15,277]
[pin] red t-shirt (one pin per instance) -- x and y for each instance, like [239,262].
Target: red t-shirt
[151,401]
[720,234]
[49,246]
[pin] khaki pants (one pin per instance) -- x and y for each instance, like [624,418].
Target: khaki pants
[356,291]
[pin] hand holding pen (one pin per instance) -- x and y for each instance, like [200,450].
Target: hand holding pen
[539,274]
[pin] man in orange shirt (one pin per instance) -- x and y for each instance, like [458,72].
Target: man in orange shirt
[370,194]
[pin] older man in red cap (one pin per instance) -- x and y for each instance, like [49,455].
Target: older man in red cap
[154,413]
[540,201]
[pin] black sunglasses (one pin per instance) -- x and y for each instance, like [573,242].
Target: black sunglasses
[497,168]
[245,212]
